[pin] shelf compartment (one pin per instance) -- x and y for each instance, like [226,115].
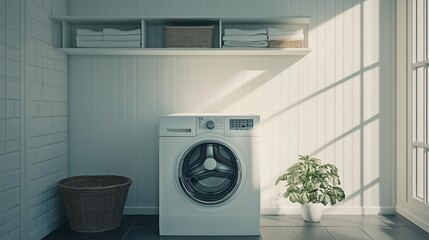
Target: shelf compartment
[153,34]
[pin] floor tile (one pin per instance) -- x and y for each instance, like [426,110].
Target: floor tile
[335,221]
[285,221]
[227,238]
[310,233]
[409,234]
[412,226]
[283,227]
[176,238]
[390,220]
[347,233]
[365,220]
[116,234]
[146,233]
[147,221]
[382,233]
[277,233]
[65,233]
[128,220]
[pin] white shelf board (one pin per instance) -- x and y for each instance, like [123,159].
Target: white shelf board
[186,51]
[268,20]
[116,19]
[96,19]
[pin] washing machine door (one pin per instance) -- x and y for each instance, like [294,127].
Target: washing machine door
[210,172]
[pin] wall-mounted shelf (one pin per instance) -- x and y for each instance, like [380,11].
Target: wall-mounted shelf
[185,51]
[152,38]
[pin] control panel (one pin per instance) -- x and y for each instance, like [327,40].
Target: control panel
[240,124]
[210,124]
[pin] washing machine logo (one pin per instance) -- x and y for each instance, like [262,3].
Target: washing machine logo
[210,172]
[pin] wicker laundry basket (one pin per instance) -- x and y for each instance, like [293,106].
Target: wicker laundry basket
[188,36]
[94,203]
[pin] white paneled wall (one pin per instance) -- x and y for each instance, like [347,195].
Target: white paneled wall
[10,119]
[33,118]
[335,103]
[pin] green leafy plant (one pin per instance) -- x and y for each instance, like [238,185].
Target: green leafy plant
[310,181]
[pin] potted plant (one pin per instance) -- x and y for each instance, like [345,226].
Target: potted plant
[313,185]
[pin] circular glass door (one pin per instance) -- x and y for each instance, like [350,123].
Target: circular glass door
[209,172]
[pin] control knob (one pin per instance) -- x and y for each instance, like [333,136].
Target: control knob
[210,124]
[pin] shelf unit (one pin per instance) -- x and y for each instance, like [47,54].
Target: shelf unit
[153,37]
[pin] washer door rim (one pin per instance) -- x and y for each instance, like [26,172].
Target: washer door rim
[190,189]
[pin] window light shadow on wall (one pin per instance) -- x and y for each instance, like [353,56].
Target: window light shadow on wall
[372,85]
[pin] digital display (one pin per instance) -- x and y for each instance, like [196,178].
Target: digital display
[241,124]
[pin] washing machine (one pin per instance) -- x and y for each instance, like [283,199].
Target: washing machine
[209,180]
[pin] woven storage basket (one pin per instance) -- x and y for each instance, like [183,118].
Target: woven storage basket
[286,44]
[94,203]
[188,36]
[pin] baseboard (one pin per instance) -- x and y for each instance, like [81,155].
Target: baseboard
[284,211]
[141,211]
[332,211]
[412,218]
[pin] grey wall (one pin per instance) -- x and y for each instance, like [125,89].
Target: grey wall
[33,118]
[335,103]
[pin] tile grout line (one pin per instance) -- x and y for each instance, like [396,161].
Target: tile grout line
[135,220]
[330,233]
[360,227]
[295,233]
[129,228]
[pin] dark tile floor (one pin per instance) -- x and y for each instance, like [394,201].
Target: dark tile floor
[347,227]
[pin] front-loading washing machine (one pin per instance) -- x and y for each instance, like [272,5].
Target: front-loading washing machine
[209,180]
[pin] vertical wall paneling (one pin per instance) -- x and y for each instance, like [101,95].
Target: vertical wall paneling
[320,79]
[131,125]
[330,119]
[338,86]
[100,108]
[357,161]
[386,47]
[346,82]
[334,103]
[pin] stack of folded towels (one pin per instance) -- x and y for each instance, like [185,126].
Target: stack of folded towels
[291,37]
[108,38]
[239,38]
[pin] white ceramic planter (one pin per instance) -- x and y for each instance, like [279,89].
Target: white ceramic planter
[312,212]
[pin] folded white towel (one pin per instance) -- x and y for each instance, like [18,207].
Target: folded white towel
[108,44]
[286,37]
[286,30]
[113,31]
[88,32]
[234,31]
[245,38]
[122,38]
[88,38]
[247,44]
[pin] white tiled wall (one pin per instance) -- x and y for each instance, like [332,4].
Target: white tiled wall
[10,119]
[335,103]
[30,167]
[47,114]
